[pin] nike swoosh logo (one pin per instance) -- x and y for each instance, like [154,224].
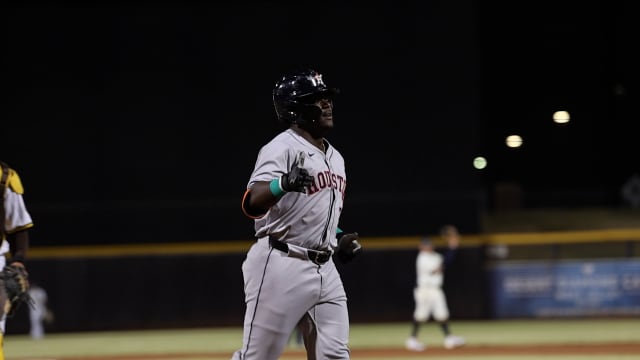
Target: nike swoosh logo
[311,154]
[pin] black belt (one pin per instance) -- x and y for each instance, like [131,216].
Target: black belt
[315,256]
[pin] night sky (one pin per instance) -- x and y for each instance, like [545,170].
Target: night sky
[144,119]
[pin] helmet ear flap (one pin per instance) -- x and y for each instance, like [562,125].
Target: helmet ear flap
[297,113]
[285,111]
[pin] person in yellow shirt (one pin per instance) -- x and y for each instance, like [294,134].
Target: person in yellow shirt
[14,231]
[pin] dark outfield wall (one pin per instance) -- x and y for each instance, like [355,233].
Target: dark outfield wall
[207,290]
[201,284]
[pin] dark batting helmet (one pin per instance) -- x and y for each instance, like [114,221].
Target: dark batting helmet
[294,95]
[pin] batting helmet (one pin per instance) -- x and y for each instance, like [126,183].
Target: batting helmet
[295,93]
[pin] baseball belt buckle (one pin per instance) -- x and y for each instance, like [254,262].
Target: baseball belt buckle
[319,257]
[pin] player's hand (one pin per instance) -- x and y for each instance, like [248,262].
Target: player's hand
[298,178]
[348,247]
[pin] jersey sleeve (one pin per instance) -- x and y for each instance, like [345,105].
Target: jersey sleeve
[13,181]
[16,215]
[272,162]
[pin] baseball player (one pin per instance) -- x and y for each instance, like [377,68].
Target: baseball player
[39,313]
[295,195]
[429,298]
[13,229]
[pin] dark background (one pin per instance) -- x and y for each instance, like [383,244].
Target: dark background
[141,121]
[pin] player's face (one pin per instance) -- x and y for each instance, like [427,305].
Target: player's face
[325,119]
[319,121]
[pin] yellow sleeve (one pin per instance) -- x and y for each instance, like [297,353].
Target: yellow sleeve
[14,182]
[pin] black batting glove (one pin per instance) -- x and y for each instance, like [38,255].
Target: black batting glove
[348,247]
[298,178]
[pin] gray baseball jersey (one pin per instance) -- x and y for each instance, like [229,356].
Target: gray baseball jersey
[283,289]
[312,218]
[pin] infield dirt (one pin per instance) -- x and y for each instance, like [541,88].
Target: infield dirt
[560,349]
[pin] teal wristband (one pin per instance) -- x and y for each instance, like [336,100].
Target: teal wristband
[275,188]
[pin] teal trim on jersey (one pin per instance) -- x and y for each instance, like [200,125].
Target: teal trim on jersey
[339,231]
[275,188]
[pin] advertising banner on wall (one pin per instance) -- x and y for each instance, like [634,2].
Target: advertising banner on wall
[575,288]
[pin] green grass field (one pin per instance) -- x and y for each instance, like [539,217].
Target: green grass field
[219,343]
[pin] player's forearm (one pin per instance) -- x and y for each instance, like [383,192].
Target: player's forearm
[262,197]
[19,245]
[258,199]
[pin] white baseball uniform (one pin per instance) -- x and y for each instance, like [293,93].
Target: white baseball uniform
[428,295]
[37,312]
[16,217]
[285,288]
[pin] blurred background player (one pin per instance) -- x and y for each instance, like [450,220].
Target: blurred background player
[430,300]
[39,313]
[14,228]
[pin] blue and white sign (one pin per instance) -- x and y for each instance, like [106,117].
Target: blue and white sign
[565,288]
